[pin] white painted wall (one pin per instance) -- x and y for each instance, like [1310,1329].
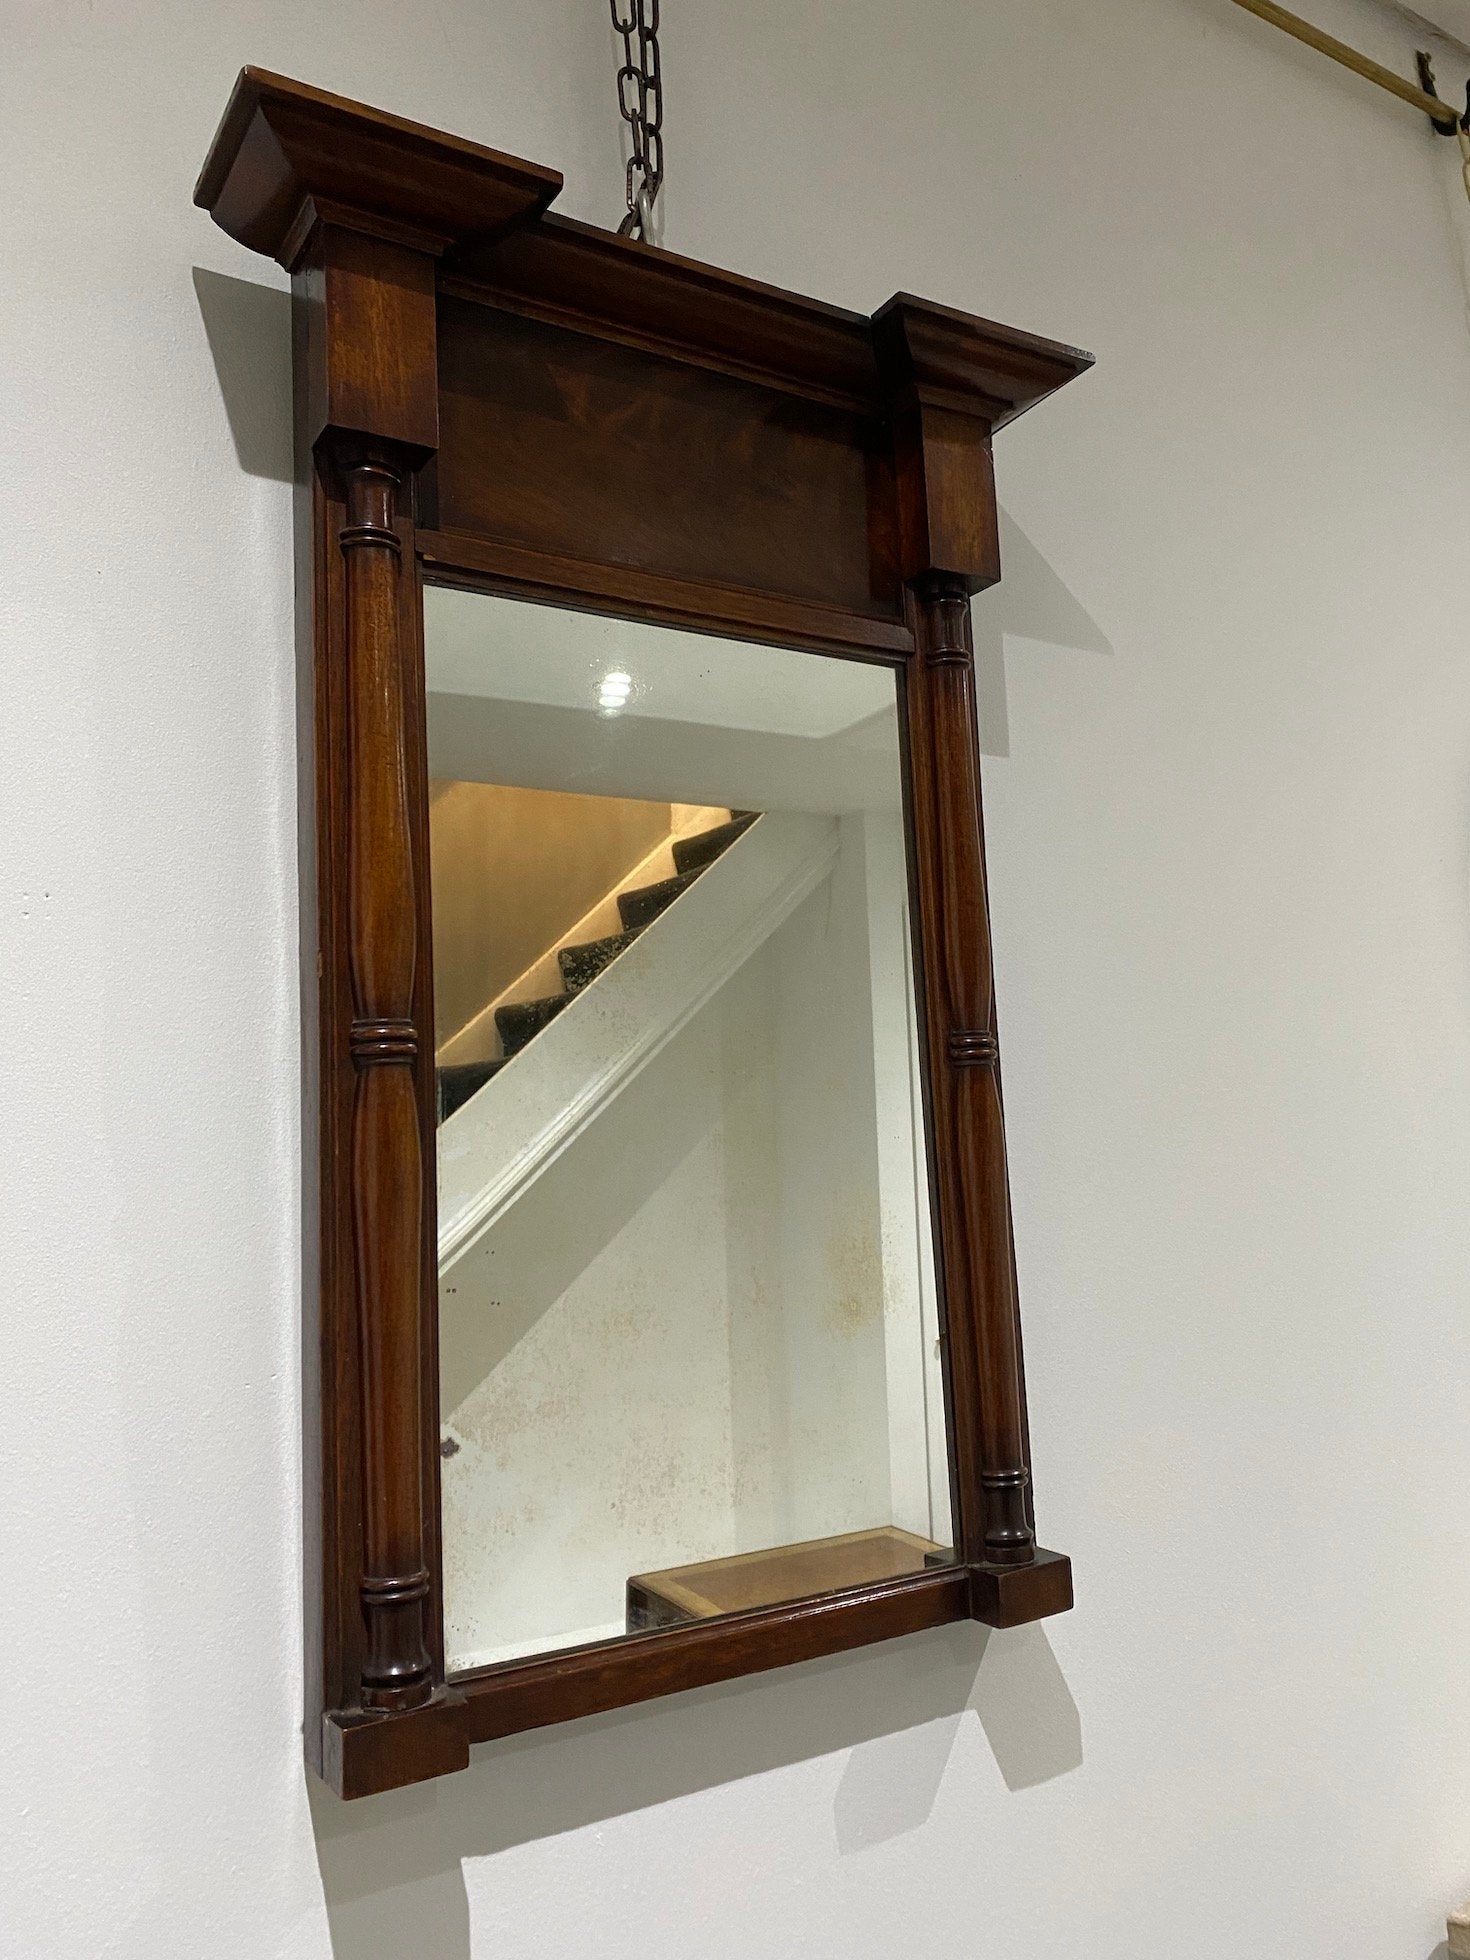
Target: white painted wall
[1226,704]
[1450,19]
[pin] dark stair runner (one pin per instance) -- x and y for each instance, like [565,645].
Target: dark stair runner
[459,1082]
[522,1020]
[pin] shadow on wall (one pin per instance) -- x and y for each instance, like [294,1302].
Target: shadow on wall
[1030,603]
[392,1866]
[248,328]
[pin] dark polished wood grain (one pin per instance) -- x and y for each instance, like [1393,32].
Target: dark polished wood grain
[606,453]
[494,397]
[387,1168]
[974,1200]
[367,419]
[945,385]
[287,157]
[460,558]
[573,274]
[586,1680]
[976,367]
[365,381]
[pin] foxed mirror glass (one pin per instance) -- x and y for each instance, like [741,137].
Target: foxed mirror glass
[689,1335]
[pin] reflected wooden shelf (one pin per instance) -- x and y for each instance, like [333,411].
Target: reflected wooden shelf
[768,1578]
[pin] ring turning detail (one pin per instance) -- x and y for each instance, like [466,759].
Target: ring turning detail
[383,1041]
[973,1048]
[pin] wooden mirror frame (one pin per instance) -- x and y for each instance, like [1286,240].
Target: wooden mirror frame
[491,397]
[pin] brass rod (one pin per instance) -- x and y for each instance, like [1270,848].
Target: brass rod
[1372,71]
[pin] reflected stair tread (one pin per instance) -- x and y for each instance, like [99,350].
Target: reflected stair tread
[459,1081]
[519,1020]
[642,907]
[580,965]
[693,853]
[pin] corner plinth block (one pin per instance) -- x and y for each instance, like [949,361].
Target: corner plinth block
[1014,1595]
[365,1754]
[953,380]
[978,367]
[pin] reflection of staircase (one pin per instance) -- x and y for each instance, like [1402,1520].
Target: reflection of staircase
[496,1144]
[520,1021]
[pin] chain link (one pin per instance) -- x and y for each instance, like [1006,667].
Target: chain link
[641,105]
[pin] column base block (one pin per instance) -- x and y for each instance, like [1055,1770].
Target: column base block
[363,1754]
[1014,1595]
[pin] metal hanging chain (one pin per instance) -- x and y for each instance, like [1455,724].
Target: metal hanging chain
[641,105]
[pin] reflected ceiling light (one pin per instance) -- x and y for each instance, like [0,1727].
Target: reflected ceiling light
[613,692]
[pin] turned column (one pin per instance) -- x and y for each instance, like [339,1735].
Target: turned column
[978,1254]
[386,1149]
[368,304]
[941,412]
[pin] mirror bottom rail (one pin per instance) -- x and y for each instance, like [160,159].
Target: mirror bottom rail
[364,1754]
[516,1695]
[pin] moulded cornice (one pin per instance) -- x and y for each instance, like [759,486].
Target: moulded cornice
[956,360]
[285,154]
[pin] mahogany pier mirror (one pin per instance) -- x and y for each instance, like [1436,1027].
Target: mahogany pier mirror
[661,1311]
